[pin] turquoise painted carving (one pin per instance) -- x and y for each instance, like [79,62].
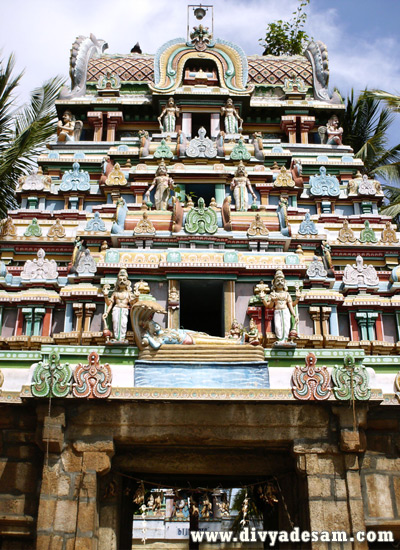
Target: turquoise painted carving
[307,226]
[231,257]
[174,257]
[367,235]
[311,383]
[324,184]
[201,219]
[120,215]
[112,256]
[75,179]
[292,259]
[51,379]
[92,380]
[34,229]
[351,381]
[163,151]
[95,224]
[239,152]
[201,147]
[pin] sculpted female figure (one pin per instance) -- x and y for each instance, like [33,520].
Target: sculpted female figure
[118,305]
[239,186]
[333,131]
[169,113]
[163,183]
[281,302]
[233,122]
[65,127]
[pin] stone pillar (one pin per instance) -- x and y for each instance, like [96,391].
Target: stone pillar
[187,124]
[325,315]
[334,321]
[68,319]
[219,193]
[114,118]
[379,328]
[315,314]
[371,319]
[306,124]
[89,312]
[229,304]
[39,314]
[78,310]
[215,125]
[288,125]
[173,313]
[95,119]
[68,506]
[27,312]
[334,493]
[46,328]
[362,318]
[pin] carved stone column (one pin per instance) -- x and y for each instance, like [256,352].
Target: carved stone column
[114,119]
[173,310]
[95,119]
[229,304]
[39,314]
[371,320]
[78,310]
[89,312]
[362,318]
[288,125]
[27,312]
[306,124]
[315,314]
[325,316]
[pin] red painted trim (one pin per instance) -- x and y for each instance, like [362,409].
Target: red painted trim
[355,336]
[379,328]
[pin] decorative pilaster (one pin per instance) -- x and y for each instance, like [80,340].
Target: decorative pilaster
[78,310]
[315,314]
[37,325]
[95,119]
[114,118]
[325,316]
[361,317]
[89,312]
[229,303]
[27,312]
[173,304]
[288,125]
[334,321]
[306,124]
[371,320]
[69,316]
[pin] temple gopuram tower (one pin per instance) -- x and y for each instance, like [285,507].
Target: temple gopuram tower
[199,299]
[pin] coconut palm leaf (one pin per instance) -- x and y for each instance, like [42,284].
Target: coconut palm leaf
[24,132]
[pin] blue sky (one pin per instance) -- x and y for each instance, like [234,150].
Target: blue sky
[362,35]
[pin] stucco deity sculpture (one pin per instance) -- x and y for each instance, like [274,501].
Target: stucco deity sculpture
[281,302]
[235,331]
[239,185]
[169,114]
[163,184]
[66,127]
[118,305]
[333,131]
[252,334]
[233,122]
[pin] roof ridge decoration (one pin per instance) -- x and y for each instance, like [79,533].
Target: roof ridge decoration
[229,58]
[317,53]
[83,50]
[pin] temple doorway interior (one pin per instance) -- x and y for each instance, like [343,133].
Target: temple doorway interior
[201,306]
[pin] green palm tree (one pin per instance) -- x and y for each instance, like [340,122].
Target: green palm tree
[24,132]
[365,129]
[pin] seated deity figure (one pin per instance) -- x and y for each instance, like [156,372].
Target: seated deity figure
[169,114]
[65,128]
[119,305]
[334,132]
[233,122]
[239,186]
[281,302]
[252,334]
[163,184]
[155,336]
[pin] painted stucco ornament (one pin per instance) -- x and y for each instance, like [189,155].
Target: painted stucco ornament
[201,219]
[35,181]
[51,378]
[57,230]
[163,184]
[34,229]
[360,275]
[75,179]
[323,184]
[257,228]
[86,264]
[163,151]
[201,146]
[311,383]
[116,177]
[144,226]
[350,381]
[388,235]
[284,179]
[95,224]
[109,81]
[241,186]
[8,229]
[316,270]
[121,212]
[346,234]
[39,269]
[307,226]
[92,380]
[367,235]
[366,186]
[239,152]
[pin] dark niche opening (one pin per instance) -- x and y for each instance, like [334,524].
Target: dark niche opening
[202,306]
[201,120]
[197,190]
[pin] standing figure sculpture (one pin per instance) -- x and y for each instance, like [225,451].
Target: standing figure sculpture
[66,128]
[233,122]
[169,113]
[163,184]
[281,302]
[334,132]
[239,186]
[119,305]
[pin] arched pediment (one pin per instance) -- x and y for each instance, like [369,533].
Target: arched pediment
[229,59]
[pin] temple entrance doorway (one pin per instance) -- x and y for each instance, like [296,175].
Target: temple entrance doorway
[202,306]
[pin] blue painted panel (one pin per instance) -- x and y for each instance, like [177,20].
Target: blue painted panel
[160,374]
